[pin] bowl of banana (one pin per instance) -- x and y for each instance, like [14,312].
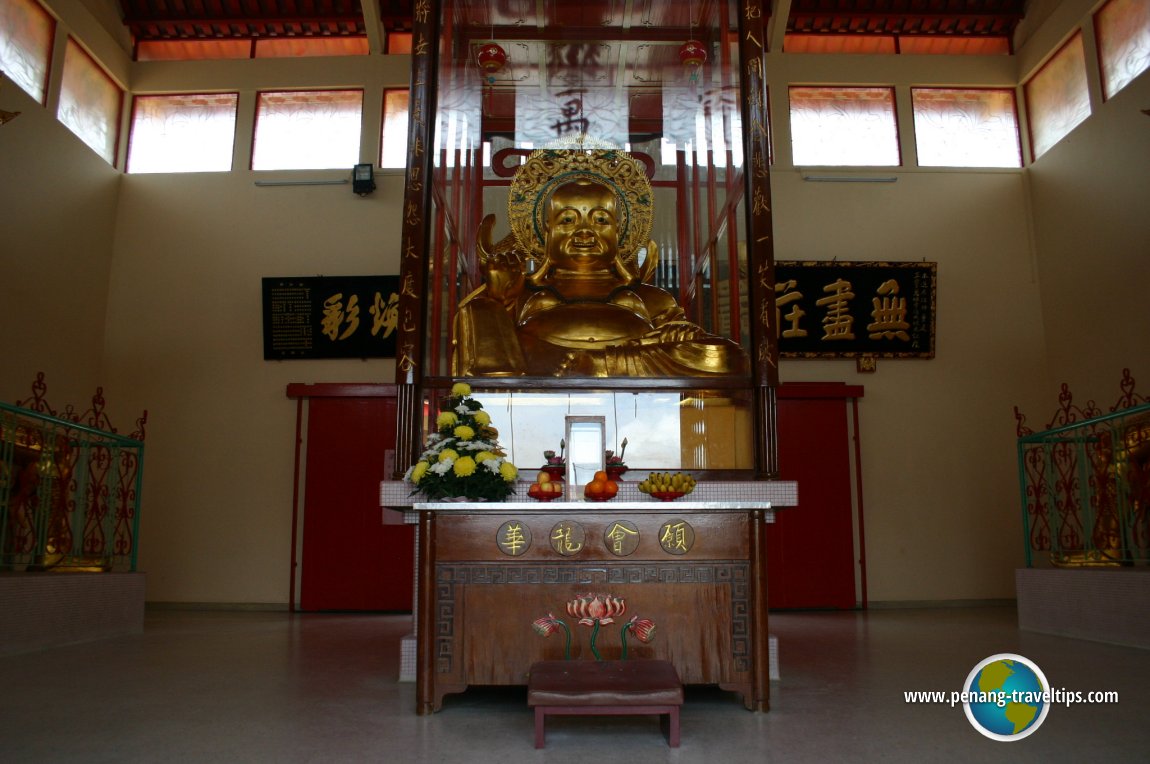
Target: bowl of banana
[667,486]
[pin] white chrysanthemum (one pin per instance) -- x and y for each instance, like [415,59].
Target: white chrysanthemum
[440,468]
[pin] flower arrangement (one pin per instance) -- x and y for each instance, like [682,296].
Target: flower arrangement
[596,610]
[463,459]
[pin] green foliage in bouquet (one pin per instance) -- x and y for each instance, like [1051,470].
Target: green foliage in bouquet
[463,459]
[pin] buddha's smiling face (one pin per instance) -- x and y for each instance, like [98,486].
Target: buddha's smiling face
[582,228]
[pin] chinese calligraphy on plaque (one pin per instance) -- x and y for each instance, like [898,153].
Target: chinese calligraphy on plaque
[676,536]
[568,537]
[837,309]
[513,538]
[330,317]
[621,538]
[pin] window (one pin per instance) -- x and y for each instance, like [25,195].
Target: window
[182,133]
[1123,31]
[307,130]
[844,126]
[90,102]
[965,128]
[394,139]
[1056,97]
[26,32]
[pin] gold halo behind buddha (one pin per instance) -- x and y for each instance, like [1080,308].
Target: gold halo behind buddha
[549,168]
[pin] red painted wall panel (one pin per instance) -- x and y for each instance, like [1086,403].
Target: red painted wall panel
[810,547]
[350,560]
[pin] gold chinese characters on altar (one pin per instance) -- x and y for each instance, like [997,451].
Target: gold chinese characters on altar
[568,538]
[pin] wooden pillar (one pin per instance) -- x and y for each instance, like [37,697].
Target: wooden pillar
[760,233]
[409,371]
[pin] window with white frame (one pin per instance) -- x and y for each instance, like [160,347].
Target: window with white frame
[846,126]
[964,127]
[307,130]
[26,32]
[182,133]
[90,102]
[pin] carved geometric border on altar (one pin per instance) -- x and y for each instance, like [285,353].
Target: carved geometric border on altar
[734,574]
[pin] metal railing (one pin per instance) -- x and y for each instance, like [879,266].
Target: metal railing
[69,494]
[1086,491]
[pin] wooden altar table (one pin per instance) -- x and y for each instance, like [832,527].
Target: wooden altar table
[487,571]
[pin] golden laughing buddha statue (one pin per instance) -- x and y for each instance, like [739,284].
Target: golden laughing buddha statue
[580,217]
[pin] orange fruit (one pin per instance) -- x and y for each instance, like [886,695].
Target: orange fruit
[600,476]
[595,488]
[610,488]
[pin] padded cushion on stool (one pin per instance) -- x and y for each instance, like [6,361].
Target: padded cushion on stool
[604,683]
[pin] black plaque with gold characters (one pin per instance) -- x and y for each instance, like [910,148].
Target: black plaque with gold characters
[330,317]
[834,309]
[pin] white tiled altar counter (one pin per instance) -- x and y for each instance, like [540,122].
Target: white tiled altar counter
[780,493]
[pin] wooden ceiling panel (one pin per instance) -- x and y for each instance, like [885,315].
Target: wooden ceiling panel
[632,20]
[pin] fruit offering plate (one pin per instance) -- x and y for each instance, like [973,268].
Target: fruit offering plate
[547,496]
[597,498]
[667,495]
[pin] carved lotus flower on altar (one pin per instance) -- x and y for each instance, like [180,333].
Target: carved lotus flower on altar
[596,610]
[592,609]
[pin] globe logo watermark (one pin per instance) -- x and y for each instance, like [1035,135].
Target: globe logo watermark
[1006,697]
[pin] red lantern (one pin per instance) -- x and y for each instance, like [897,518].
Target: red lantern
[491,58]
[692,53]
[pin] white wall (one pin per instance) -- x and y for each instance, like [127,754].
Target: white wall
[939,480]
[185,336]
[1091,206]
[57,217]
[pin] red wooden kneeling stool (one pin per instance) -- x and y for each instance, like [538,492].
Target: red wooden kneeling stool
[605,688]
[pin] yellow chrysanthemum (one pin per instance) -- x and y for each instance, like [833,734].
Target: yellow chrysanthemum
[461,389]
[509,471]
[448,453]
[418,471]
[463,466]
[484,456]
[463,432]
[446,419]
[482,417]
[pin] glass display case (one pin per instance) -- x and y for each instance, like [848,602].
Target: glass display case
[587,227]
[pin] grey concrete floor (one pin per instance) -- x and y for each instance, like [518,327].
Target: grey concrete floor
[228,686]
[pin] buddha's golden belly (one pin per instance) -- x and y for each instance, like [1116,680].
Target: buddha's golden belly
[586,325]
